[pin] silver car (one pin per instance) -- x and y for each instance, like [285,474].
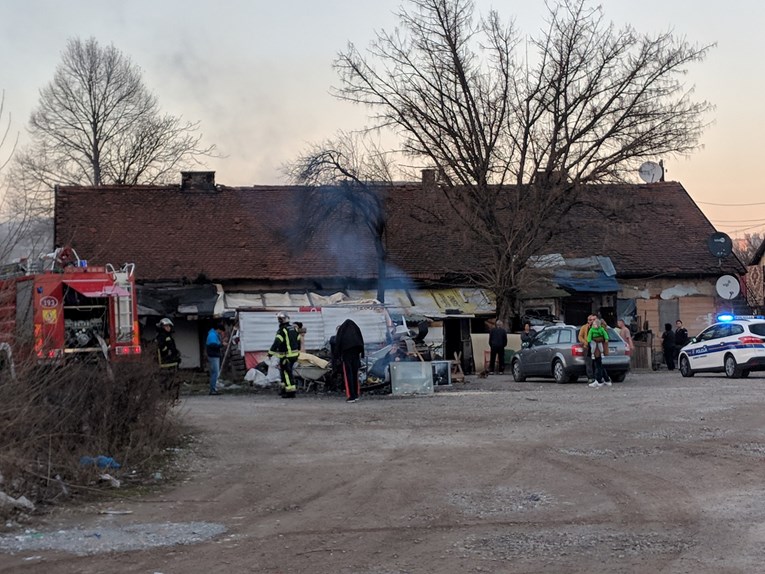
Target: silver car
[555,352]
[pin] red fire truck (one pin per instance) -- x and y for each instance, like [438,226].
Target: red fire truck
[68,309]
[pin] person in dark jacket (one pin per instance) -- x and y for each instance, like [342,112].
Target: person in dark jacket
[286,348]
[681,338]
[169,357]
[167,352]
[349,346]
[528,333]
[497,344]
[668,346]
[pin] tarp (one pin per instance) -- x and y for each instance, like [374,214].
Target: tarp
[586,282]
[595,274]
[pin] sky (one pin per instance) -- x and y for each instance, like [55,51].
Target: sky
[257,76]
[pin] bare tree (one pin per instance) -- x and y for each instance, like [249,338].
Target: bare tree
[347,175]
[745,247]
[514,129]
[13,225]
[96,123]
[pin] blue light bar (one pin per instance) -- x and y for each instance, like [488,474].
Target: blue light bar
[725,317]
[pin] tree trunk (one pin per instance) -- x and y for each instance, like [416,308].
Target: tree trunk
[382,262]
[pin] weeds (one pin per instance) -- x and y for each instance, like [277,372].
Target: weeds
[50,418]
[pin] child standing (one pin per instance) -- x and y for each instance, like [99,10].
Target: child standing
[597,337]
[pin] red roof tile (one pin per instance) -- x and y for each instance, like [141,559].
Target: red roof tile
[243,234]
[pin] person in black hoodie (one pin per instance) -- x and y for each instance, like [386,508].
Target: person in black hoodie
[668,346]
[349,348]
[497,344]
[681,338]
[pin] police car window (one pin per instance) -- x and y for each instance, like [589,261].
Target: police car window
[566,336]
[547,337]
[758,329]
[736,329]
[707,334]
[722,330]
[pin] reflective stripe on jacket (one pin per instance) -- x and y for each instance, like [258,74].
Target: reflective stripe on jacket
[286,342]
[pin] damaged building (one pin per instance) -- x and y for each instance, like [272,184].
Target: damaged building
[202,249]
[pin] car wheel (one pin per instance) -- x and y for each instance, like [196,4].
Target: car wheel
[731,367]
[517,372]
[685,367]
[559,372]
[618,377]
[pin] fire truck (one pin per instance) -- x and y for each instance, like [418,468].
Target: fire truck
[65,309]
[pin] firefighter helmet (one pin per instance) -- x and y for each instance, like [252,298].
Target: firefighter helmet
[165,322]
[283,318]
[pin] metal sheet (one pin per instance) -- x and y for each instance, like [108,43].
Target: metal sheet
[444,302]
[258,328]
[373,321]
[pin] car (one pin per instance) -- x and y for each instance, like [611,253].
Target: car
[734,345]
[555,352]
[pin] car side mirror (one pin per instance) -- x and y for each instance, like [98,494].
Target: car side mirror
[693,340]
[525,345]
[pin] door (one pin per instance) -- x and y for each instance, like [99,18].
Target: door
[541,351]
[576,310]
[703,356]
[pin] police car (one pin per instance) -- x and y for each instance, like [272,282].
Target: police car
[734,345]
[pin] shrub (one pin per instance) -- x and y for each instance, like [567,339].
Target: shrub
[52,417]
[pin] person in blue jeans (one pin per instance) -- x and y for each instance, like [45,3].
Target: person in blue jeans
[214,347]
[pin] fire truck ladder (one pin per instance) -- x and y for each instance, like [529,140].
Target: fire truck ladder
[124,302]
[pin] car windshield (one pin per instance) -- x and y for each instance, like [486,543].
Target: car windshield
[613,335]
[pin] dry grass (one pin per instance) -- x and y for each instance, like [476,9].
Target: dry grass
[51,417]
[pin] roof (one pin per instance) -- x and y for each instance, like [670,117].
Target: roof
[237,233]
[757,257]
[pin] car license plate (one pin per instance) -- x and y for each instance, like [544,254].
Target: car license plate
[611,349]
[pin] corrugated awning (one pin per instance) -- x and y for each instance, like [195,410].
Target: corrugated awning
[177,300]
[445,303]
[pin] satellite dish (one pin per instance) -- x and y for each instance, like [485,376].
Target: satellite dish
[720,244]
[728,287]
[651,172]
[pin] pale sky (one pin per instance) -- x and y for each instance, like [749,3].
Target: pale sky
[257,75]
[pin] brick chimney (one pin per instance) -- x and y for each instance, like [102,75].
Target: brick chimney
[198,180]
[428,177]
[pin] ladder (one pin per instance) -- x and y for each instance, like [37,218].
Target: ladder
[124,303]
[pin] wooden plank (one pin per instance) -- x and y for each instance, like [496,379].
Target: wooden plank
[696,313]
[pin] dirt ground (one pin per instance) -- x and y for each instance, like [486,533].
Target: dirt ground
[657,474]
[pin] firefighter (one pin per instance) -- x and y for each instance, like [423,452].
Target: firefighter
[286,348]
[168,356]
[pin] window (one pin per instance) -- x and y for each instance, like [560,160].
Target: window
[736,329]
[546,337]
[722,330]
[707,334]
[758,329]
[566,336]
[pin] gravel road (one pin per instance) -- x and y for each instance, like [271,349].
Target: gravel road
[656,474]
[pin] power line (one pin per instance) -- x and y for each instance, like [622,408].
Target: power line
[731,204]
[734,231]
[739,220]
